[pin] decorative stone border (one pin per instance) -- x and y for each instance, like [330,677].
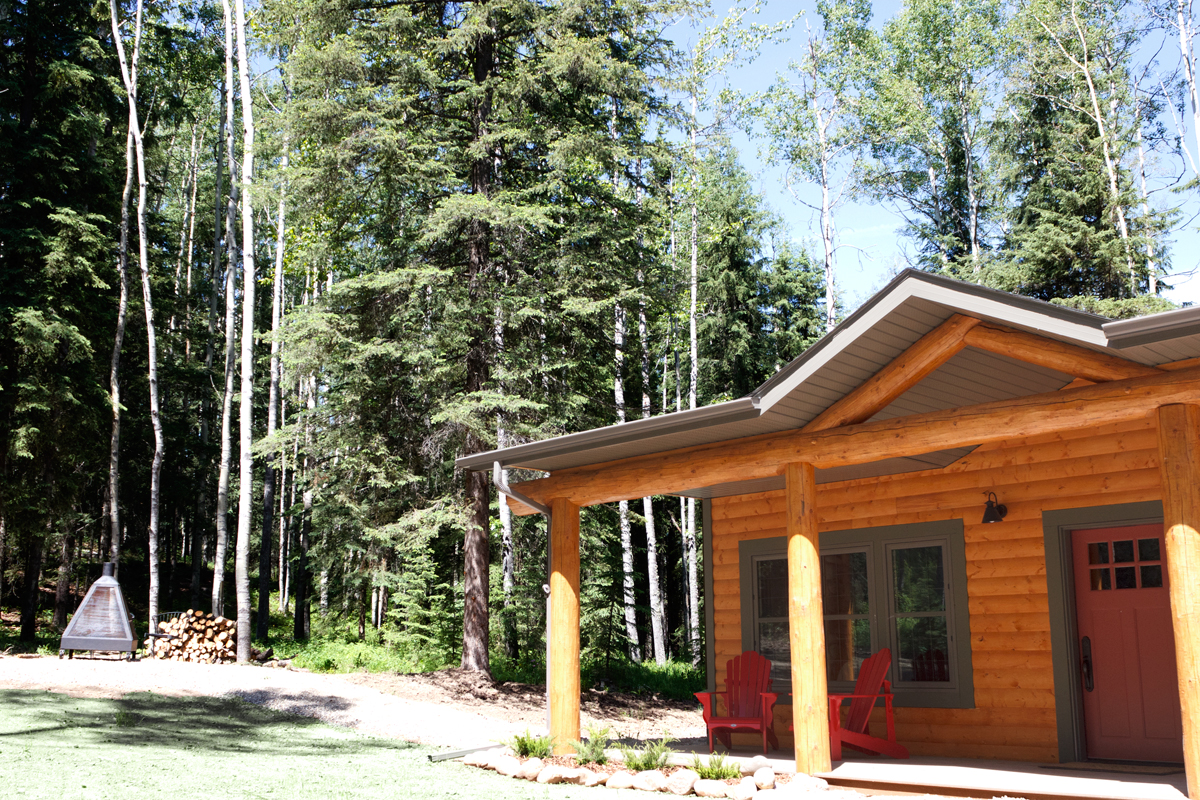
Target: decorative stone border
[758,781]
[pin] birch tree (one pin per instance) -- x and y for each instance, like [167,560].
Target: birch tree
[131,96]
[249,280]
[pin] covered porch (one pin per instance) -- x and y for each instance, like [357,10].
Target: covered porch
[907,414]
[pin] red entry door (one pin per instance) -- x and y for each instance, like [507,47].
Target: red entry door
[1126,644]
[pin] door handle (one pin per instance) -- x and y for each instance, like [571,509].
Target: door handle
[1086,663]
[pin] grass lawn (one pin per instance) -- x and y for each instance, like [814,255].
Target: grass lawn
[150,746]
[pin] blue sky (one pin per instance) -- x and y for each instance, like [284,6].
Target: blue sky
[874,248]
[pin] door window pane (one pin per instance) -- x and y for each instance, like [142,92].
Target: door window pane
[918,580]
[772,588]
[922,645]
[1098,553]
[1148,550]
[1126,577]
[1123,551]
[1101,580]
[1152,576]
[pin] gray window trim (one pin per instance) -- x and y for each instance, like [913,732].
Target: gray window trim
[962,694]
[1057,526]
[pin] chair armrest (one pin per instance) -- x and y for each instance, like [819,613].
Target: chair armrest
[768,700]
[706,702]
[848,696]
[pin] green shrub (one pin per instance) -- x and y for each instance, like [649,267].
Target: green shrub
[530,745]
[592,750]
[717,768]
[652,756]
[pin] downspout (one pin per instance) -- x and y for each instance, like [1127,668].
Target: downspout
[506,490]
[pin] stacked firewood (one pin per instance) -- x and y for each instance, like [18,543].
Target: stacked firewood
[195,636]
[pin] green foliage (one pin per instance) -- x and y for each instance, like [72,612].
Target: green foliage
[652,756]
[1121,308]
[716,768]
[592,750]
[531,745]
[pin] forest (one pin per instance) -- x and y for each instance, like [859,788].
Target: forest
[267,269]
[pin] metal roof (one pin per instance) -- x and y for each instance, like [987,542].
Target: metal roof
[910,306]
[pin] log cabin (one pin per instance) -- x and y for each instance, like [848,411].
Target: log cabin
[1003,492]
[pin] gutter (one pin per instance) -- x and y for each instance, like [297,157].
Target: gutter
[1153,328]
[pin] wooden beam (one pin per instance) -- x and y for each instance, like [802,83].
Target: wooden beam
[810,702]
[564,624]
[1179,461]
[1079,362]
[764,456]
[904,372]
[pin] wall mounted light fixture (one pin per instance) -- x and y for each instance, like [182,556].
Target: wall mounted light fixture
[995,511]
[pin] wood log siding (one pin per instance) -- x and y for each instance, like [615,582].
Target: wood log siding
[1014,717]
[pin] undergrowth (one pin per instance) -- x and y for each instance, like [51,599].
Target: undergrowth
[530,745]
[592,750]
[652,756]
[716,768]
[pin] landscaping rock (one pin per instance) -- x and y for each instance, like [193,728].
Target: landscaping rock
[620,780]
[804,783]
[550,774]
[682,781]
[755,764]
[507,766]
[650,780]
[530,769]
[744,790]
[709,788]
[764,778]
[590,778]
[572,774]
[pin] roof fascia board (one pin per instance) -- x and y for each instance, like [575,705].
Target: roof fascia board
[1153,328]
[1085,329]
[720,414]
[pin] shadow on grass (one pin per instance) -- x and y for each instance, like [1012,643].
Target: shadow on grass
[151,721]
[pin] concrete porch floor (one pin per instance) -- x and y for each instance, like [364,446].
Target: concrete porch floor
[961,777]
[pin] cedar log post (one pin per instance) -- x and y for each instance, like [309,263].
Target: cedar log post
[564,624]
[810,702]
[1178,451]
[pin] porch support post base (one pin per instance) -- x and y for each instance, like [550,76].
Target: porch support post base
[1179,452]
[810,703]
[564,624]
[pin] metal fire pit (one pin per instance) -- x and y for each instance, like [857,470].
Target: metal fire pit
[102,622]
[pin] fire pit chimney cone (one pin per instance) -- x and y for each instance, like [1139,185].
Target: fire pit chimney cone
[102,622]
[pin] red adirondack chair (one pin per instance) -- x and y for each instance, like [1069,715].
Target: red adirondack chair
[866,692]
[749,701]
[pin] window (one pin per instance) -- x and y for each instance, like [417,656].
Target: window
[902,587]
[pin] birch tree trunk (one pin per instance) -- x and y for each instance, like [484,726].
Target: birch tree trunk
[269,480]
[246,415]
[114,375]
[127,77]
[629,600]
[657,617]
[222,544]
[689,527]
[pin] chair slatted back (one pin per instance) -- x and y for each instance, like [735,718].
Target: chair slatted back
[870,681]
[746,678]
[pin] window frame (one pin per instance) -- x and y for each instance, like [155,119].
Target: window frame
[880,542]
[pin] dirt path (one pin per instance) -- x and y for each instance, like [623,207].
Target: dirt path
[450,708]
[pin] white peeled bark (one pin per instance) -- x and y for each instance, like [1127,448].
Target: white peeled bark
[689,528]
[245,419]
[222,544]
[628,599]
[657,617]
[128,77]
